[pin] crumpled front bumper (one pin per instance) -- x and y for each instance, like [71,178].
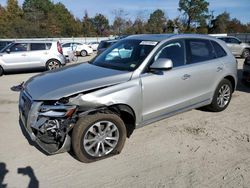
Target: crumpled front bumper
[28,110]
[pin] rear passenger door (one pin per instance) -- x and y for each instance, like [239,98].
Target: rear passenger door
[38,54]
[204,68]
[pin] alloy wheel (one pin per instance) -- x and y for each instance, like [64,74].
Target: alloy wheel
[101,138]
[53,65]
[223,96]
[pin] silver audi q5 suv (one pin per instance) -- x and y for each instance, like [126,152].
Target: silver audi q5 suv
[137,81]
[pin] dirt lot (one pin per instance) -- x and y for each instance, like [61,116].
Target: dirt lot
[193,149]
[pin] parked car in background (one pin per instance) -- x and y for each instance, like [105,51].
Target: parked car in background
[94,45]
[104,45]
[147,78]
[25,55]
[4,43]
[237,47]
[79,48]
[246,70]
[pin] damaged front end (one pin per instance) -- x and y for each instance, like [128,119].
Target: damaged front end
[48,123]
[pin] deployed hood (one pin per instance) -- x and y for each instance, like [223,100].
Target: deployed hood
[71,80]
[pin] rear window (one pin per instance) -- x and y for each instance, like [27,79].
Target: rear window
[199,50]
[220,52]
[37,46]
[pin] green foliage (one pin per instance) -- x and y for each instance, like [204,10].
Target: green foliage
[157,22]
[44,18]
[195,11]
[220,23]
[101,24]
[88,26]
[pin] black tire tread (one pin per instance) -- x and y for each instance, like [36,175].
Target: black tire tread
[214,106]
[82,125]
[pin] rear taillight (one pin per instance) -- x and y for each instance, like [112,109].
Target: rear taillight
[59,48]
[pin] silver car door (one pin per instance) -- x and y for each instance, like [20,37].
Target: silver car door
[37,54]
[17,57]
[163,91]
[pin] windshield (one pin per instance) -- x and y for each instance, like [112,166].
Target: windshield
[6,47]
[125,55]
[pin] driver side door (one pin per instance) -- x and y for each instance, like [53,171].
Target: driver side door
[17,57]
[164,91]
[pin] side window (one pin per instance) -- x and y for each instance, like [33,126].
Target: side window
[224,39]
[173,50]
[234,41]
[199,50]
[19,47]
[66,45]
[37,46]
[220,52]
[48,46]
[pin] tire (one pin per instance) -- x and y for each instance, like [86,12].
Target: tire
[83,53]
[218,104]
[1,71]
[245,53]
[86,137]
[53,64]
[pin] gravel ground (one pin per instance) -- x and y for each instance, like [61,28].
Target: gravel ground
[193,149]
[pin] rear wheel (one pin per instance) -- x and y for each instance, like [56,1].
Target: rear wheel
[1,71]
[98,136]
[222,96]
[245,53]
[83,53]
[53,64]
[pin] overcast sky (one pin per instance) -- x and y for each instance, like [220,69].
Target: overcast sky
[239,9]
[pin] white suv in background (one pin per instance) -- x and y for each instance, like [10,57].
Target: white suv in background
[237,47]
[25,55]
[79,48]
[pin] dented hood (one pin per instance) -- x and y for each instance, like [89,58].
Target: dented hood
[71,80]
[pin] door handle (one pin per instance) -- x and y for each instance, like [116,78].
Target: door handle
[219,69]
[23,54]
[186,76]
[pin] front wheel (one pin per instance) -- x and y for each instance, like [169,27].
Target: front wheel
[222,96]
[53,64]
[98,136]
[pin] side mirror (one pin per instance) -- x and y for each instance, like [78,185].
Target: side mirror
[7,50]
[162,64]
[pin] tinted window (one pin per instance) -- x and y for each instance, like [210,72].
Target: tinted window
[37,46]
[199,50]
[174,51]
[66,45]
[19,47]
[233,41]
[224,39]
[220,52]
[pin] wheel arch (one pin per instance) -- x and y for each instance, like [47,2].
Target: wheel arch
[124,111]
[232,80]
[127,114]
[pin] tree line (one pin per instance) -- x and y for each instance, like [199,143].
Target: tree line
[43,18]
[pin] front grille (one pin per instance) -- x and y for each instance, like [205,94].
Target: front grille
[25,105]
